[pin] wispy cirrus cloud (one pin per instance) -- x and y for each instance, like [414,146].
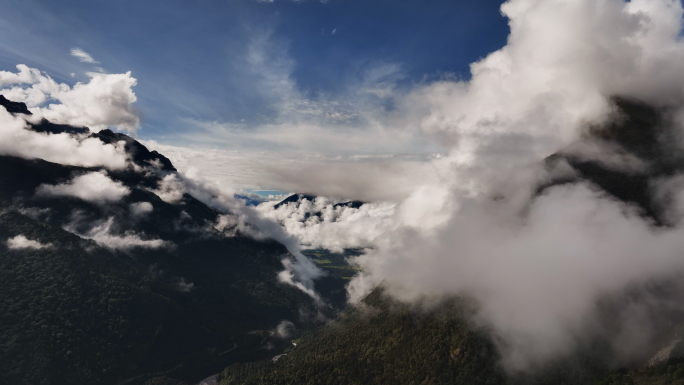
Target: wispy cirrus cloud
[83,56]
[360,119]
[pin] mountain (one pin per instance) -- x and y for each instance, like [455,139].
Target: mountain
[636,130]
[121,291]
[299,198]
[385,342]
[144,289]
[14,107]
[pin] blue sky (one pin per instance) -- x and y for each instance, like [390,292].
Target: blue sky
[241,63]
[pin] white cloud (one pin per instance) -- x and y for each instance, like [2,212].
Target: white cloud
[310,135]
[140,209]
[25,75]
[284,329]
[16,140]
[355,121]
[236,216]
[83,56]
[562,61]
[334,228]
[536,265]
[367,178]
[93,187]
[105,101]
[102,234]
[21,242]
[170,189]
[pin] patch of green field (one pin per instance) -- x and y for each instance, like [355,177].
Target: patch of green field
[322,261]
[346,267]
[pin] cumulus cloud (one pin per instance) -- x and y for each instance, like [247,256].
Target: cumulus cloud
[537,265]
[537,279]
[92,187]
[21,242]
[171,189]
[555,74]
[16,140]
[105,101]
[321,224]
[83,56]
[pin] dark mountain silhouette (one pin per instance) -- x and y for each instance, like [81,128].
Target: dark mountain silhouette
[14,107]
[48,127]
[139,153]
[298,198]
[295,198]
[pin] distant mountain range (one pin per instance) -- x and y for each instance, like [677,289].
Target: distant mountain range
[298,198]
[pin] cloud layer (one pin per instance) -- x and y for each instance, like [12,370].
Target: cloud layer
[319,224]
[105,101]
[16,140]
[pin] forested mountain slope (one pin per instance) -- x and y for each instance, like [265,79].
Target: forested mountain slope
[98,291]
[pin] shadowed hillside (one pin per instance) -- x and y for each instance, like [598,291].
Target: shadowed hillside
[180,300]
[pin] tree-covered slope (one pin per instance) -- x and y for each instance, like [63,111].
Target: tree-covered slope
[75,312]
[385,342]
[105,307]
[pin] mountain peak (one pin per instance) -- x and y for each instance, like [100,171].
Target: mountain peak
[139,153]
[14,107]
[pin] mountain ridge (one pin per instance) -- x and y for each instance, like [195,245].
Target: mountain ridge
[184,305]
